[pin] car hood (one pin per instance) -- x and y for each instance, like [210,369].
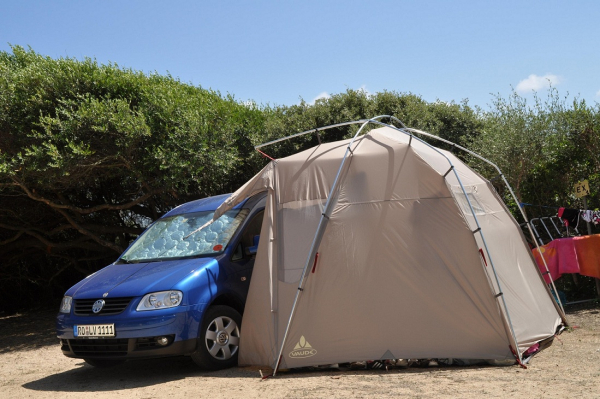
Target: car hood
[136,279]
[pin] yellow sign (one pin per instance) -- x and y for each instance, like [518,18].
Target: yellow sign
[582,189]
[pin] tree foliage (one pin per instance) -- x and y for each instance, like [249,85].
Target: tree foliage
[543,149]
[455,122]
[90,154]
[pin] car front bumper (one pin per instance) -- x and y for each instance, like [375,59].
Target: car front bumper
[157,333]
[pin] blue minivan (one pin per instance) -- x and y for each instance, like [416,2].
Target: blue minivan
[179,289]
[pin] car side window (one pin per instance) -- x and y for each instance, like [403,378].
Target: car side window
[251,230]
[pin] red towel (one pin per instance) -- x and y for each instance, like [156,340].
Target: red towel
[560,256]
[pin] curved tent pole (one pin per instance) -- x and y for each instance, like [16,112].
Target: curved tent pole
[563,316]
[320,129]
[329,205]
[478,230]
[311,131]
[331,200]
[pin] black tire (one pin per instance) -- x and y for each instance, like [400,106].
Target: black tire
[218,339]
[104,363]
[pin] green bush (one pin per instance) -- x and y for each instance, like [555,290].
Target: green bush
[90,154]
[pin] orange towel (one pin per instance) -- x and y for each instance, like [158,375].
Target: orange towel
[588,254]
[551,261]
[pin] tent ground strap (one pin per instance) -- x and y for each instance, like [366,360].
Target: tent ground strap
[477,231]
[449,170]
[517,357]
[498,295]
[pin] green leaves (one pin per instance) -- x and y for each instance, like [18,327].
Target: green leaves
[90,153]
[543,148]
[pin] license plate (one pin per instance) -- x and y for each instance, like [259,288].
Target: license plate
[94,330]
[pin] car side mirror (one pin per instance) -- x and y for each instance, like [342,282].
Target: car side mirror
[254,248]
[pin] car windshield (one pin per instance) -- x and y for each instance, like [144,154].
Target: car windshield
[178,236]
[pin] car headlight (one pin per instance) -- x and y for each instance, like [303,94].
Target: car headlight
[160,300]
[65,305]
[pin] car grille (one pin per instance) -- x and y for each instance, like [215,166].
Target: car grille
[99,347]
[83,307]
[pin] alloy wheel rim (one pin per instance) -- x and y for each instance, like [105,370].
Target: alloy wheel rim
[222,338]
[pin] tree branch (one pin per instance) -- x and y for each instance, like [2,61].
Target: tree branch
[84,211]
[94,237]
[14,238]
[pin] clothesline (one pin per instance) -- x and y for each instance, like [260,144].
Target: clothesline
[569,216]
[522,204]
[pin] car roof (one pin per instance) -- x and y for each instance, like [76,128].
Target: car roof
[204,204]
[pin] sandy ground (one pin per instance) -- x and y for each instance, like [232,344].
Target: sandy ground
[31,365]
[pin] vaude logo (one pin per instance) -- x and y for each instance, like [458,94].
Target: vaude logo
[98,305]
[302,349]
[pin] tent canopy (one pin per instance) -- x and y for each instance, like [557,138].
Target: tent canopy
[414,261]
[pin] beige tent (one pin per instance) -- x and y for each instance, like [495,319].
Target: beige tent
[416,257]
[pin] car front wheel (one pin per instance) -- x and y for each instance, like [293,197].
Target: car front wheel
[219,339]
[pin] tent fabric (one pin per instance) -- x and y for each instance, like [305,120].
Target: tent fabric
[400,272]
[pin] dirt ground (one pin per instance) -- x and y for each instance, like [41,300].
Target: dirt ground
[32,365]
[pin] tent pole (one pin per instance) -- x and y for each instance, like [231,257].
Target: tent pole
[479,230]
[559,305]
[320,129]
[330,203]
[331,200]
[453,169]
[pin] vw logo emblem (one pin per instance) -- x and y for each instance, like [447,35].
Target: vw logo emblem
[98,305]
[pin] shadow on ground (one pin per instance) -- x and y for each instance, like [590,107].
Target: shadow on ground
[147,373]
[35,329]
[27,331]
[132,374]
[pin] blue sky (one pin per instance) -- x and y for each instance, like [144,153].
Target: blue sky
[276,52]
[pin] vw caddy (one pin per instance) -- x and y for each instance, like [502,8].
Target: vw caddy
[179,289]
